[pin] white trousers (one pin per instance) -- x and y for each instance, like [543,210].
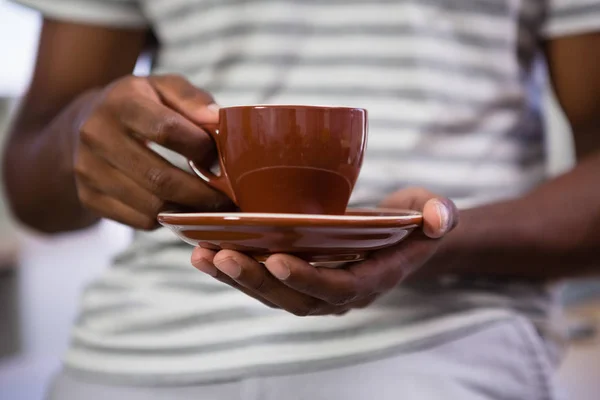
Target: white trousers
[505,361]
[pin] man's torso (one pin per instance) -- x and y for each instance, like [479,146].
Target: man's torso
[453,107]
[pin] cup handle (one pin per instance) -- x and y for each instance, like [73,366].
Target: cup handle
[218,182]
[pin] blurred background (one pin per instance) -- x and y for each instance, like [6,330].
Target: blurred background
[41,277]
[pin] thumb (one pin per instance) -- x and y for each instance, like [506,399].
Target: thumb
[440,216]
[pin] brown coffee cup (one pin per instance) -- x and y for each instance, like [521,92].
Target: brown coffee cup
[288,159]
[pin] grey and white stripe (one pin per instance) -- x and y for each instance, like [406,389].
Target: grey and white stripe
[451,90]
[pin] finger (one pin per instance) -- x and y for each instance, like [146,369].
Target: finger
[103,177]
[203,260]
[179,94]
[166,181]
[157,123]
[148,169]
[381,272]
[254,276]
[108,207]
[390,266]
[440,216]
[333,286]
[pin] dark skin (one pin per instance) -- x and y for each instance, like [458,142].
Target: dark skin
[79,140]
[548,234]
[78,145]
[553,232]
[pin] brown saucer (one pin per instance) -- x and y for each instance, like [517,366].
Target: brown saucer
[319,239]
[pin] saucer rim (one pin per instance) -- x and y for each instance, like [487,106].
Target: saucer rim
[397,218]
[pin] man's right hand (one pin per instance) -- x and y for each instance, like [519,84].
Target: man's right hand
[118,176]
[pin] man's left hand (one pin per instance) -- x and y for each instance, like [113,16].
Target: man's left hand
[289,283]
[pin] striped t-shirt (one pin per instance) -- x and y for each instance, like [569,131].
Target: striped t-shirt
[452,89]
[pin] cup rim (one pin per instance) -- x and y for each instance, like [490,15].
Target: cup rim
[293,106]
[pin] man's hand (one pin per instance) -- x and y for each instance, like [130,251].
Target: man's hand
[117,175]
[294,285]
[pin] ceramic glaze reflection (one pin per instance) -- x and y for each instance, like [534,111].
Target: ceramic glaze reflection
[289,159]
[314,238]
[304,190]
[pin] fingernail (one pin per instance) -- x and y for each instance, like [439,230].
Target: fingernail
[444,214]
[229,267]
[214,108]
[205,266]
[279,269]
